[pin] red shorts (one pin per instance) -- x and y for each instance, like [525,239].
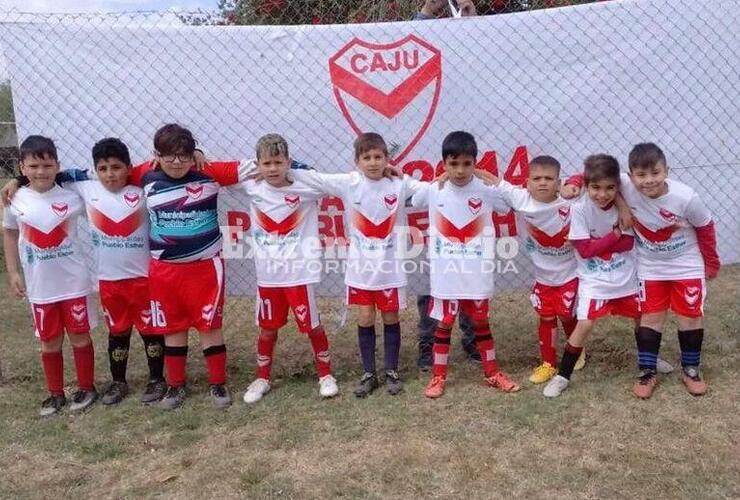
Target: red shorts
[551,301]
[72,315]
[591,309]
[186,295]
[684,297]
[446,310]
[388,300]
[273,304]
[126,304]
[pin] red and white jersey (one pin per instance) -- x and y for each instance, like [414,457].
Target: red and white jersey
[375,213]
[548,225]
[50,251]
[119,228]
[601,278]
[285,233]
[666,240]
[462,239]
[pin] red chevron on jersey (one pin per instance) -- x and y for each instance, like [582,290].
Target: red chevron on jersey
[658,236]
[194,190]
[43,240]
[281,228]
[475,205]
[667,215]
[462,234]
[131,199]
[557,240]
[371,230]
[390,201]
[59,208]
[123,228]
[292,200]
[564,212]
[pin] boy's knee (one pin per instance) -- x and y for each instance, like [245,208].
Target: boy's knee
[80,339]
[52,345]
[687,323]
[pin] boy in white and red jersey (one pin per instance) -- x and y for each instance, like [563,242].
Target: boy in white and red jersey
[374,207]
[677,250]
[461,254]
[287,248]
[40,232]
[607,280]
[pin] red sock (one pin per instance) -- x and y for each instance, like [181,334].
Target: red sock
[53,363]
[568,326]
[175,359]
[85,364]
[320,346]
[441,350]
[547,331]
[216,363]
[486,348]
[265,348]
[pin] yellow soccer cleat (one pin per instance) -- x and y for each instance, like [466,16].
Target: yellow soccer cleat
[543,373]
[581,360]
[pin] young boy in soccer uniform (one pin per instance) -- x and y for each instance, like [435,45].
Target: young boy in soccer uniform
[607,281]
[677,250]
[461,254]
[287,248]
[40,231]
[374,207]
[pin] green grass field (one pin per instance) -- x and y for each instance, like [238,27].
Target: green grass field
[596,441]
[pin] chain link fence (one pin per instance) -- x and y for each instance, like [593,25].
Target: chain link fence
[526,77]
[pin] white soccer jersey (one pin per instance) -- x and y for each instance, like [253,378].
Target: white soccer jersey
[285,233]
[119,228]
[50,252]
[547,225]
[601,278]
[376,215]
[461,238]
[666,240]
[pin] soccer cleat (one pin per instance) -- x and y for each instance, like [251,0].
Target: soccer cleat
[328,386]
[256,390]
[693,381]
[367,384]
[426,360]
[155,391]
[393,382]
[556,386]
[664,367]
[173,398]
[581,361]
[436,387]
[501,381]
[543,373]
[82,400]
[645,384]
[220,396]
[52,405]
[115,393]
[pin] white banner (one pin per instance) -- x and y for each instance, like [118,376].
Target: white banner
[566,82]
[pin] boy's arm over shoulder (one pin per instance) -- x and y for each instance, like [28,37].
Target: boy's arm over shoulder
[328,184]
[515,197]
[698,215]
[420,199]
[138,172]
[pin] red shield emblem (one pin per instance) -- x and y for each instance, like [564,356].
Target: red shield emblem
[194,191]
[376,83]
[59,208]
[564,212]
[390,201]
[475,205]
[667,215]
[131,198]
[292,200]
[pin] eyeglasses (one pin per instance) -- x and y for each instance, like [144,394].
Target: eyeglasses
[182,158]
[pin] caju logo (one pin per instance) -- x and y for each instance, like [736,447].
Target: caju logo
[564,212]
[59,208]
[668,215]
[393,87]
[131,198]
[292,200]
[390,201]
[194,190]
[475,205]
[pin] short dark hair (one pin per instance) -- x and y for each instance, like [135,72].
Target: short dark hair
[173,139]
[599,167]
[459,143]
[645,155]
[38,146]
[367,141]
[545,161]
[110,147]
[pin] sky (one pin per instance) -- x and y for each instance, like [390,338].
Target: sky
[104,5]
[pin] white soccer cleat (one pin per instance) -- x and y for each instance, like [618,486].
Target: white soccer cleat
[328,387]
[664,366]
[256,390]
[555,386]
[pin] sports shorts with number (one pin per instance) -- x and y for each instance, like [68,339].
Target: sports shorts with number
[184,295]
[388,300]
[558,301]
[273,304]
[590,308]
[446,310]
[71,315]
[684,297]
[126,303]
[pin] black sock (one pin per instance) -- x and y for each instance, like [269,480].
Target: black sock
[154,349]
[570,356]
[648,346]
[391,345]
[690,342]
[118,346]
[366,339]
